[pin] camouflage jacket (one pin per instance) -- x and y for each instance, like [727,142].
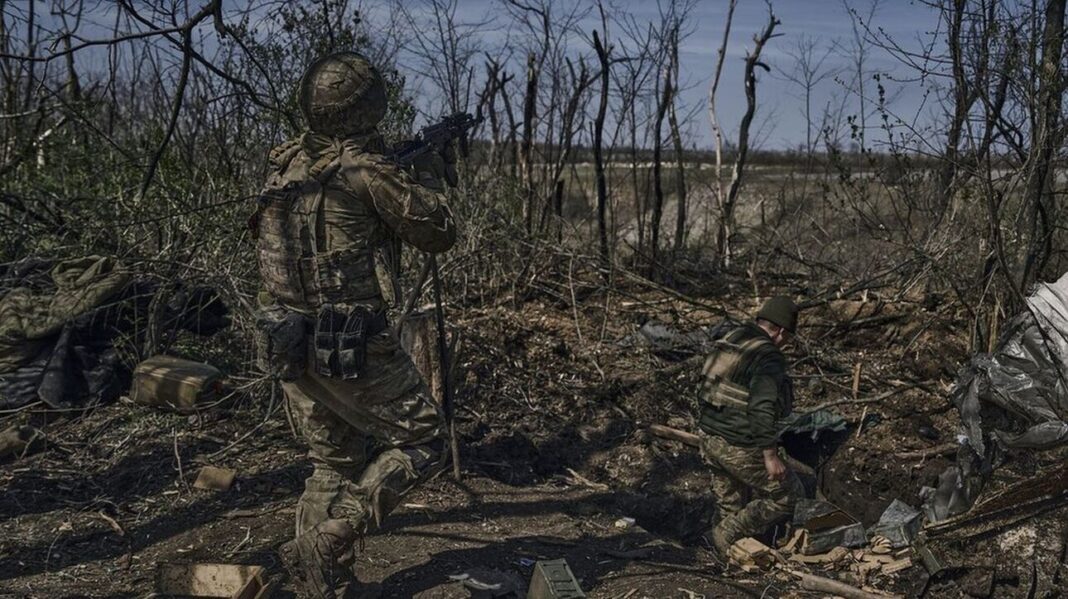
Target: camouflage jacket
[328,206]
[746,392]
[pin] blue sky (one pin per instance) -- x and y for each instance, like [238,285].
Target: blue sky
[780,121]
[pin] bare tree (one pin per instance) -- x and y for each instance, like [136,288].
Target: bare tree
[752,61]
[604,54]
[858,53]
[808,72]
[713,118]
[1045,138]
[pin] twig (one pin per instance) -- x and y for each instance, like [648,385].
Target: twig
[930,452]
[812,582]
[862,400]
[860,425]
[178,459]
[114,524]
[176,109]
[587,482]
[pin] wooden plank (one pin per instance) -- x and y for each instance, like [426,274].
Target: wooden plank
[207,580]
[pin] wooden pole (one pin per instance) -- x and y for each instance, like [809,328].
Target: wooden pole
[443,353]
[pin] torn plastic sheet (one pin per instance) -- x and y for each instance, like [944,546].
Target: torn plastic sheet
[671,343]
[1015,398]
[899,524]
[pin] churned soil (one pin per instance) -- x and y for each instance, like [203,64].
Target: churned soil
[552,413]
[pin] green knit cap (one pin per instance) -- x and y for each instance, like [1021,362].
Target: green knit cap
[780,310]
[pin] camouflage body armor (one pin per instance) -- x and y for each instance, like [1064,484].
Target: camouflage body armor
[315,246]
[725,388]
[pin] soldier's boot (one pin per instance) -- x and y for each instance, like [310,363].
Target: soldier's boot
[721,540]
[320,561]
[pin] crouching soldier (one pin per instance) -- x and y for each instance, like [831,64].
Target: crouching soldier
[331,203]
[745,394]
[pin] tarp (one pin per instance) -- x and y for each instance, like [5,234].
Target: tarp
[1015,398]
[672,344]
[58,332]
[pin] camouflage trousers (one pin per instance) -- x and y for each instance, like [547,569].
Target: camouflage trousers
[748,502]
[371,439]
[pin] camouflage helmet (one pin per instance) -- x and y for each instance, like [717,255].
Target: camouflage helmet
[341,94]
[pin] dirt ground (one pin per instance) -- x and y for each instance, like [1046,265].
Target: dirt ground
[552,420]
[72,528]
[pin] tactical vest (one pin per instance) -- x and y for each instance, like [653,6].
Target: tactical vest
[724,387]
[315,242]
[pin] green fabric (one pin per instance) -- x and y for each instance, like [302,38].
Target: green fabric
[28,319]
[814,423]
[763,373]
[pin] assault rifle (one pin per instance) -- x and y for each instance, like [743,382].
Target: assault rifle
[434,138]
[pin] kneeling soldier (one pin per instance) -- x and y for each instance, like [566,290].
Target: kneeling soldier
[745,394]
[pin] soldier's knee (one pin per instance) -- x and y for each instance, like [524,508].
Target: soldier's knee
[427,456]
[790,492]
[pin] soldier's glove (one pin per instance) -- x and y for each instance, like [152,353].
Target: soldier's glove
[429,170]
[433,168]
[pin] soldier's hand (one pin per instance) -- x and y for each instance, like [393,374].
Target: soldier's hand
[774,465]
[430,170]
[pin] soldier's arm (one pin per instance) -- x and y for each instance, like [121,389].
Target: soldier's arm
[764,401]
[417,213]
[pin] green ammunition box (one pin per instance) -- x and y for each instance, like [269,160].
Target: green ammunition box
[554,580]
[169,382]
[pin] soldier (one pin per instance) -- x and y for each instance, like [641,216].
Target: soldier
[330,203]
[745,394]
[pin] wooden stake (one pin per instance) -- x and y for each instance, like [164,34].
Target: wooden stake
[443,353]
[856,379]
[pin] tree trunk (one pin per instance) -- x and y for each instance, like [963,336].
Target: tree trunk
[680,169]
[713,118]
[658,188]
[530,102]
[598,158]
[1040,200]
[726,223]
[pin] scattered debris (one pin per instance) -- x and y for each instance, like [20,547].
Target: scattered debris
[899,525]
[670,343]
[1019,388]
[751,555]
[881,545]
[812,582]
[554,580]
[211,478]
[827,527]
[578,479]
[897,565]
[489,583]
[931,562]
[831,557]
[213,580]
[175,383]
[20,441]
[1018,502]
[60,323]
